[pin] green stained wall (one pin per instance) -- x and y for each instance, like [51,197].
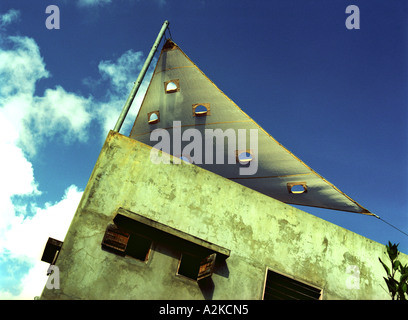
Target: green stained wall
[260,232]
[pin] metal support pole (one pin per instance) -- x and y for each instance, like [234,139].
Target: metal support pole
[139,80]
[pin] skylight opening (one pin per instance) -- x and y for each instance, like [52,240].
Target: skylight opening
[244,157]
[201,109]
[297,187]
[172,86]
[153,117]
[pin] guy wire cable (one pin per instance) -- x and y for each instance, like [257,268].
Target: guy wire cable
[390,224]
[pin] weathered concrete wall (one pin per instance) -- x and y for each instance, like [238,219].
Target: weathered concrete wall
[260,232]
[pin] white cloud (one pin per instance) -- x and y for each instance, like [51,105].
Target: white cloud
[17,176]
[122,72]
[22,237]
[20,67]
[9,17]
[28,121]
[24,241]
[31,285]
[60,111]
[28,235]
[37,118]
[121,75]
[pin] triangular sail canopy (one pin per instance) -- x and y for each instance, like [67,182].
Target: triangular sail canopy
[180,91]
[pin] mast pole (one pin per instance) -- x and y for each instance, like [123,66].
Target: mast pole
[139,80]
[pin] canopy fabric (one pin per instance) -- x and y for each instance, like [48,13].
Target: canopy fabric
[178,87]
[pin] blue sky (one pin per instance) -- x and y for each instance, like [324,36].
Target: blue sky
[336,98]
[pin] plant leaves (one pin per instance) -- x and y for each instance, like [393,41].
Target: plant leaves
[385,267]
[397,263]
[392,250]
[392,284]
[404,277]
[404,269]
[402,289]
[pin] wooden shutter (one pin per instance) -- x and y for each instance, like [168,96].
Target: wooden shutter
[51,251]
[115,240]
[206,266]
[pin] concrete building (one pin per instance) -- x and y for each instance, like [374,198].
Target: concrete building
[173,230]
[184,210]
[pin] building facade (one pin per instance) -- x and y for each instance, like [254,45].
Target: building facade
[177,231]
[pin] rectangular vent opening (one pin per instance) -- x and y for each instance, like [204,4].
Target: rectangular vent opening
[280,287]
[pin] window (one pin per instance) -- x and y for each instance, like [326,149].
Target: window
[132,234]
[244,157]
[280,287]
[153,117]
[51,252]
[123,243]
[172,86]
[115,240]
[138,247]
[196,268]
[297,187]
[201,109]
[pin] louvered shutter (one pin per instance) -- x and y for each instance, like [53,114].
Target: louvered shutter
[115,240]
[206,266]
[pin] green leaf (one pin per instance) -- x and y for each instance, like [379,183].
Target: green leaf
[385,267]
[396,264]
[393,253]
[388,284]
[402,289]
[392,286]
[404,277]
[404,269]
[392,250]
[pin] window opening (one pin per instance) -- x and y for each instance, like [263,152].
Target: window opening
[138,247]
[201,109]
[196,268]
[172,86]
[297,187]
[244,157]
[197,261]
[153,117]
[280,287]
[124,243]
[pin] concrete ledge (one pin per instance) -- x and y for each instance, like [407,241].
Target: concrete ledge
[223,252]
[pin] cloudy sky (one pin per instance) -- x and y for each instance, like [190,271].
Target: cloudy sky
[337,98]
